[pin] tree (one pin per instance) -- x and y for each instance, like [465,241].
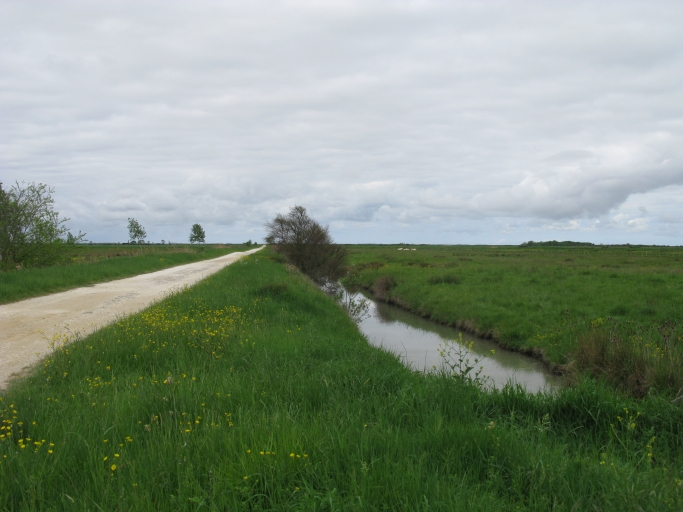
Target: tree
[31,232]
[197,234]
[136,232]
[307,245]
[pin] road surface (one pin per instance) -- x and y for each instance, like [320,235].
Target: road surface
[28,327]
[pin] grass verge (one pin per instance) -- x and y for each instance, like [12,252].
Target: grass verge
[90,265]
[254,391]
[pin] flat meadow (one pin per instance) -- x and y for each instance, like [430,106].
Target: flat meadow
[253,390]
[614,311]
[89,264]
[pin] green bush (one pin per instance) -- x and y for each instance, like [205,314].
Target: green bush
[307,245]
[31,232]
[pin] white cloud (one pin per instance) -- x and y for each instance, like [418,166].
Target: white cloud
[435,121]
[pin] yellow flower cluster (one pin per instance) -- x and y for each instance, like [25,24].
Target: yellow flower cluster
[201,327]
[11,429]
[629,420]
[292,455]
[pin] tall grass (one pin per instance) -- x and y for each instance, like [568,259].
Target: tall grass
[633,357]
[99,264]
[254,391]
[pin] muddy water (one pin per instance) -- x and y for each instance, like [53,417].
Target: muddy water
[417,341]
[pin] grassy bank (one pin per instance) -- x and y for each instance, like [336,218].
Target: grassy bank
[99,263]
[543,300]
[254,391]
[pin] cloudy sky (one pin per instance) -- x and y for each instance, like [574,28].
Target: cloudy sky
[416,122]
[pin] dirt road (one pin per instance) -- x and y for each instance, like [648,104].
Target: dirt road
[27,327]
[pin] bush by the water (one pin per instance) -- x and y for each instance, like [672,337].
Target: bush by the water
[307,245]
[382,286]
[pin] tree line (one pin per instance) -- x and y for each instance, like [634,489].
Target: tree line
[555,243]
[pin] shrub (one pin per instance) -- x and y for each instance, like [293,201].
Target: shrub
[307,245]
[31,232]
[382,286]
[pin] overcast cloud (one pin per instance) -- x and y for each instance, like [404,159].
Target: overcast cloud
[423,122]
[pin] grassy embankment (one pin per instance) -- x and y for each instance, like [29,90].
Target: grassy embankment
[615,311]
[90,264]
[254,391]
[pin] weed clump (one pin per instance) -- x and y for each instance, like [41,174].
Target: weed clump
[382,286]
[633,357]
[444,279]
[273,290]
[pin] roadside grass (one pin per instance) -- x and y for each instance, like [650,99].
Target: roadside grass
[97,264]
[254,391]
[538,300]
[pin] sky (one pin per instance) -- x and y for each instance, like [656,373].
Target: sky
[447,122]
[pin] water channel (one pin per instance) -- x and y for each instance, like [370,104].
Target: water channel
[417,340]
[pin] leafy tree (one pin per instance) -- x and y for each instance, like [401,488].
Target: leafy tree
[31,232]
[136,232]
[307,245]
[197,234]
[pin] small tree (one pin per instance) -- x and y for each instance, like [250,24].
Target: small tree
[31,232]
[136,233]
[307,245]
[197,234]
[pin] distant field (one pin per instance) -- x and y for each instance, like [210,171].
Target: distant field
[90,264]
[537,298]
[253,391]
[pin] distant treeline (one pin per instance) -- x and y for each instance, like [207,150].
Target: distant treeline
[555,243]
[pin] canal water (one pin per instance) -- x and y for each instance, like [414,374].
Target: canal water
[417,341]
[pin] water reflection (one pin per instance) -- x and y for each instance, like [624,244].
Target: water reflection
[417,341]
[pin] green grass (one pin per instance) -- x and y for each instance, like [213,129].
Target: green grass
[99,263]
[530,299]
[254,391]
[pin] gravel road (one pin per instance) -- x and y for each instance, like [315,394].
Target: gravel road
[27,327]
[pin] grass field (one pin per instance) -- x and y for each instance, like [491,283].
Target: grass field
[552,301]
[254,391]
[89,264]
